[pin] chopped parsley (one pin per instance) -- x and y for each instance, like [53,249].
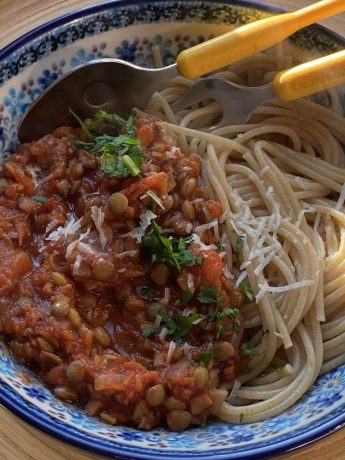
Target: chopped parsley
[239,244]
[206,357]
[40,199]
[250,350]
[185,297]
[247,292]
[219,330]
[178,326]
[209,295]
[236,328]
[149,332]
[170,250]
[120,154]
[228,313]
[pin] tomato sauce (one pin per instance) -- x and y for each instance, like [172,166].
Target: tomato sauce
[113,285]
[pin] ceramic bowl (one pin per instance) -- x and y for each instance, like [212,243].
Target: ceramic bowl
[124,29]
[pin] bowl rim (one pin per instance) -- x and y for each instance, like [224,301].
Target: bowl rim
[45,423]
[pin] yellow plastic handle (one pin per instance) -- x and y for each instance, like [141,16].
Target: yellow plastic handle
[311,77]
[251,38]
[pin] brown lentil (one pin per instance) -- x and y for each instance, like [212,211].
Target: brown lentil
[102,336]
[172,404]
[188,210]
[188,187]
[179,420]
[223,351]
[201,377]
[108,418]
[103,270]
[159,274]
[77,170]
[155,395]
[74,317]
[75,371]
[61,307]
[59,279]
[65,393]
[118,203]
[50,359]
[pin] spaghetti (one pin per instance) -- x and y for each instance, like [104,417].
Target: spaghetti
[281,182]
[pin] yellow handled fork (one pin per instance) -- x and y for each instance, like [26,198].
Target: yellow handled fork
[238,102]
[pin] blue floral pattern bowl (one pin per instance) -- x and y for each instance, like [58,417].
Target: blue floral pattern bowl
[124,29]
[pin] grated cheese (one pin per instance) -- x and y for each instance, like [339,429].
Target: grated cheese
[165,299]
[172,348]
[155,198]
[145,220]
[97,215]
[241,278]
[208,226]
[190,282]
[70,228]
[121,255]
[205,247]
[163,333]
[52,225]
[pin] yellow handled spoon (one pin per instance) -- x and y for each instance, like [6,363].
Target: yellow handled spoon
[117,86]
[239,102]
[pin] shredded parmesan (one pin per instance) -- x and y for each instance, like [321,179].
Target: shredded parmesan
[208,226]
[52,225]
[97,215]
[241,278]
[70,228]
[163,333]
[172,348]
[190,282]
[121,255]
[145,220]
[165,299]
[205,247]
[155,198]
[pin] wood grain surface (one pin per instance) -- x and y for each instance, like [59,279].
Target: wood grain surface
[18,440]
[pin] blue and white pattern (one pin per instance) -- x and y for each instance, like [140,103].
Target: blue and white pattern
[124,30]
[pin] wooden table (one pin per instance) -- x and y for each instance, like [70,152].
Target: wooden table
[18,441]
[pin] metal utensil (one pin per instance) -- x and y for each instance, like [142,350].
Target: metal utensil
[117,86]
[238,102]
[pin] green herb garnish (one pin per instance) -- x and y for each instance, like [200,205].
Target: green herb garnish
[236,328]
[120,154]
[206,357]
[178,326]
[83,126]
[172,251]
[277,306]
[185,297]
[40,199]
[209,295]
[228,313]
[239,244]
[219,330]
[250,350]
[149,332]
[247,292]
